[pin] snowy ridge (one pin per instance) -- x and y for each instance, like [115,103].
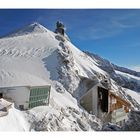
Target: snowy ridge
[36,56]
[31,28]
[124,77]
[40,58]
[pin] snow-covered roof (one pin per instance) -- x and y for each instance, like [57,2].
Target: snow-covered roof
[30,86]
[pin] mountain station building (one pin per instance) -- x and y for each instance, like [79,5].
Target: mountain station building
[26,97]
[105,104]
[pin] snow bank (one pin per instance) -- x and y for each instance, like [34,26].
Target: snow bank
[14,121]
[133,94]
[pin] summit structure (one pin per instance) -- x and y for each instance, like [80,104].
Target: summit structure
[60,28]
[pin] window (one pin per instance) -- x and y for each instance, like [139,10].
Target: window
[39,96]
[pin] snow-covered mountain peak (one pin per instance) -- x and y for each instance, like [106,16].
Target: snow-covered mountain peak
[35,26]
[31,28]
[35,55]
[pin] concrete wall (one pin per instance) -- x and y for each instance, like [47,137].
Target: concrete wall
[20,95]
[86,102]
[90,101]
[95,106]
[94,100]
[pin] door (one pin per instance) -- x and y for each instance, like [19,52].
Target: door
[103,99]
[1,95]
[21,107]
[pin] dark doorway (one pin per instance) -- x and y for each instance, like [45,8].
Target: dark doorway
[1,95]
[103,99]
[21,107]
[63,32]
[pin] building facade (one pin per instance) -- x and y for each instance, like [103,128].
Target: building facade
[26,97]
[105,104]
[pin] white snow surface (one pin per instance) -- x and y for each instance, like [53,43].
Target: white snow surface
[14,121]
[35,55]
[129,76]
[32,56]
[85,64]
[31,28]
[133,94]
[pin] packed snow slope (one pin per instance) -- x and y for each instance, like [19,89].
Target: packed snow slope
[35,55]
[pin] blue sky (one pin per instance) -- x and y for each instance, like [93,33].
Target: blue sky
[113,34]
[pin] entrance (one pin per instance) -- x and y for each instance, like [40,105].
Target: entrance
[103,98]
[21,107]
[1,95]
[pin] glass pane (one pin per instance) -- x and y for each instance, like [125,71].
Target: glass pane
[38,96]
